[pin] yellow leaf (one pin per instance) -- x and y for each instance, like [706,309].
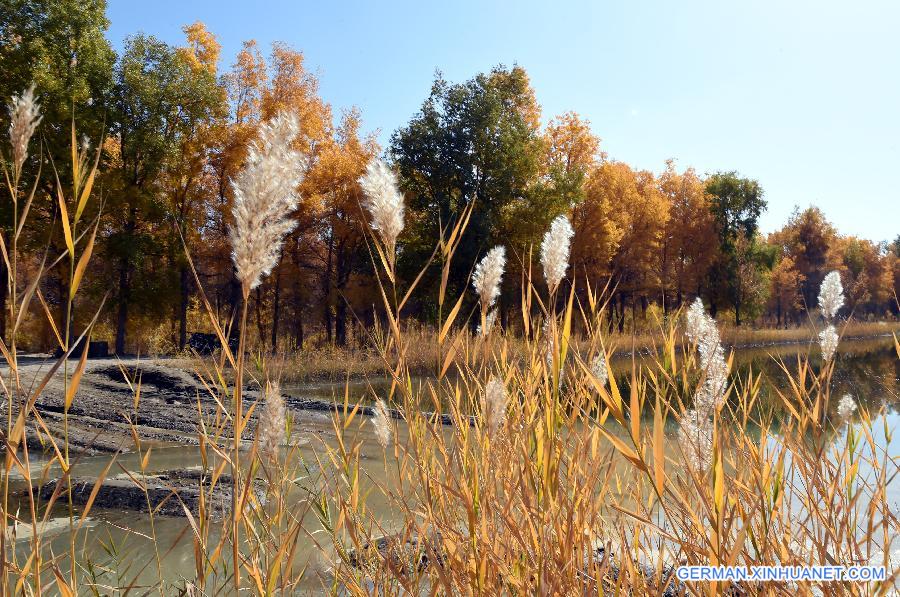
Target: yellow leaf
[50,319]
[64,589]
[451,317]
[719,484]
[82,263]
[76,377]
[86,192]
[64,216]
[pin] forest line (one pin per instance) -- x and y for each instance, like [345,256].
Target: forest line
[175,131]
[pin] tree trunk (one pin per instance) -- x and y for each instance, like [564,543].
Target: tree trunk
[633,313]
[340,322]
[343,263]
[298,332]
[621,314]
[298,301]
[183,307]
[326,290]
[125,274]
[124,298]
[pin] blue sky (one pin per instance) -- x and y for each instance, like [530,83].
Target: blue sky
[803,96]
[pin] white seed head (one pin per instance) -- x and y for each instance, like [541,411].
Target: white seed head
[494,405]
[828,341]
[271,427]
[695,435]
[265,194]
[381,421]
[846,406]
[488,275]
[489,320]
[831,295]
[696,320]
[701,329]
[24,117]
[555,251]
[600,369]
[383,202]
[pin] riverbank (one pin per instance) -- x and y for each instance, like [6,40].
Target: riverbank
[109,410]
[104,416]
[329,363]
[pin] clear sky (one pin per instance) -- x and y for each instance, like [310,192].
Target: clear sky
[802,95]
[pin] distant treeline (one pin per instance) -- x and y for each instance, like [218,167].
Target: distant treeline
[174,130]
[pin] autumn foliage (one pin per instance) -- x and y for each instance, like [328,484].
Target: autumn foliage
[175,128]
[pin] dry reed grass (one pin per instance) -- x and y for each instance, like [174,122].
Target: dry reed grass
[568,485]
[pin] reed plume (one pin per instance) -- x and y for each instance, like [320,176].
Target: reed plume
[488,275]
[265,194]
[384,204]
[846,407]
[695,433]
[701,329]
[696,428]
[381,421]
[831,295]
[486,281]
[494,404]
[555,251]
[831,299]
[24,117]
[828,342]
[271,427]
[600,369]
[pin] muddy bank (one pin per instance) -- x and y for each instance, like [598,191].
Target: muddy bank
[166,493]
[165,410]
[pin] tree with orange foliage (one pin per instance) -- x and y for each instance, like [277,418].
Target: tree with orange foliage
[868,276]
[785,297]
[597,231]
[244,85]
[340,223]
[190,182]
[618,232]
[810,241]
[292,88]
[258,90]
[572,148]
[203,49]
[689,246]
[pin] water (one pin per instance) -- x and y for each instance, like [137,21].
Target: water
[120,543]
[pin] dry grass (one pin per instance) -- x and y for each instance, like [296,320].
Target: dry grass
[580,466]
[321,361]
[580,490]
